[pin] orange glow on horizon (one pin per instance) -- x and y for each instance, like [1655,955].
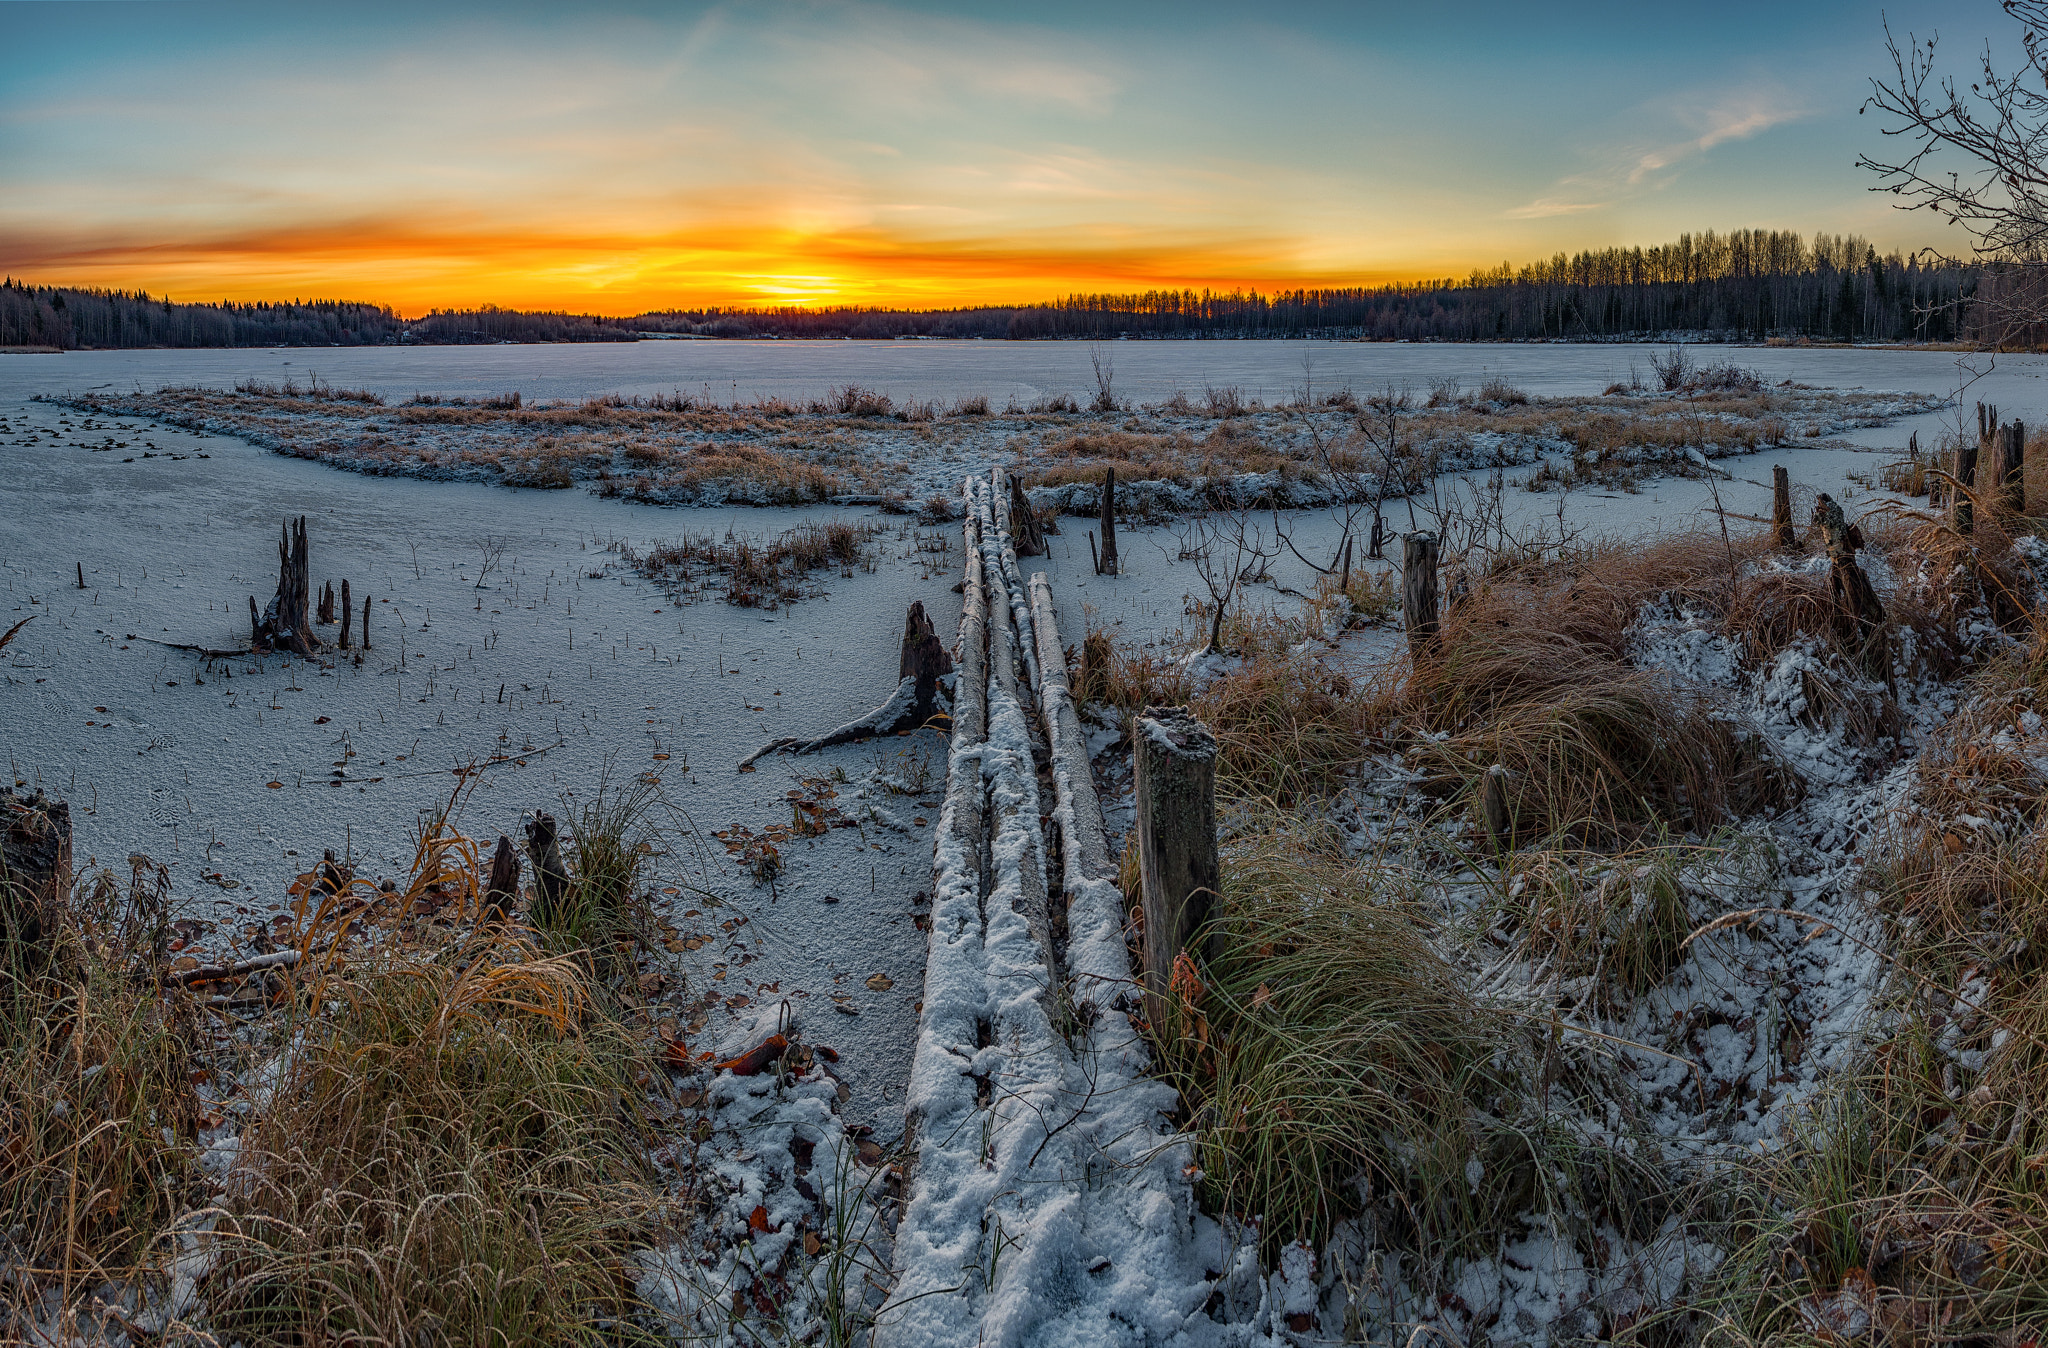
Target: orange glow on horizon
[416,269]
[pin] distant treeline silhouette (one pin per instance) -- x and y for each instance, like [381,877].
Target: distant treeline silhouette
[69,317]
[1748,284]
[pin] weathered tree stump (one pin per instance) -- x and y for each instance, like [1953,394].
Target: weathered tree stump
[1859,615]
[1782,533]
[550,876]
[35,875]
[286,623]
[1418,592]
[1106,559]
[501,891]
[2012,475]
[922,662]
[925,660]
[1025,531]
[1174,758]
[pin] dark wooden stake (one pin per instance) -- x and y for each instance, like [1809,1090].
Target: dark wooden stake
[501,892]
[366,622]
[347,613]
[1493,805]
[81,575]
[550,876]
[1106,561]
[2013,467]
[1781,508]
[1418,592]
[1962,514]
[1859,615]
[1024,527]
[1174,759]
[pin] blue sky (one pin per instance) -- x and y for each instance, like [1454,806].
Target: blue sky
[616,157]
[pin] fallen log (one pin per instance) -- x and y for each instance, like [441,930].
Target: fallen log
[214,973]
[913,705]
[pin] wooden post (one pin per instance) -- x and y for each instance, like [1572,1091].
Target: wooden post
[1966,481]
[1493,805]
[347,613]
[2013,467]
[81,575]
[550,876]
[1024,529]
[35,875]
[1418,592]
[1174,758]
[1106,562]
[366,622]
[1781,508]
[501,892]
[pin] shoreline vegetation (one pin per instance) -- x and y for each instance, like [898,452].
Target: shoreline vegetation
[1725,1027]
[1189,453]
[1746,285]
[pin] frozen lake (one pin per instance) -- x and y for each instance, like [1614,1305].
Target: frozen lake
[576,671]
[1146,371]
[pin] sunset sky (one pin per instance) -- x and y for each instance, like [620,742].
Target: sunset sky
[616,158]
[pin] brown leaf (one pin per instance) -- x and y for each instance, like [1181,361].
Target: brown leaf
[881,982]
[812,1244]
[758,1220]
[755,1060]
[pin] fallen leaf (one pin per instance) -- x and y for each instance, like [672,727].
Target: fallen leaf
[881,983]
[758,1219]
[812,1244]
[323,720]
[755,1060]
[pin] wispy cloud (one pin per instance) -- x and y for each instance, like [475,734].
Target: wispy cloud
[1628,167]
[1544,207]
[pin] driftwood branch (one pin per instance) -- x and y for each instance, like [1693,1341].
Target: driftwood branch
[912,706]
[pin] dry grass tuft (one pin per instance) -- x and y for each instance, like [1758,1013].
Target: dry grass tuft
[450,1150]
[1594,747]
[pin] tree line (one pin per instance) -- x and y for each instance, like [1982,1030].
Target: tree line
[69,317]
[1743,285]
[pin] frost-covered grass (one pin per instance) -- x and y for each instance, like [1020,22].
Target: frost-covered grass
[1739,1032]
[431,1128]
[1174,455]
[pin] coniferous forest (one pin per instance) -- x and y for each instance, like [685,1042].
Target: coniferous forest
[1743,285]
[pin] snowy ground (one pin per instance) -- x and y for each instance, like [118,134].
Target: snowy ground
[565,669]
[238,773]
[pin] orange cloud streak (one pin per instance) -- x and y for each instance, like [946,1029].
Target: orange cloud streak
[463,264]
